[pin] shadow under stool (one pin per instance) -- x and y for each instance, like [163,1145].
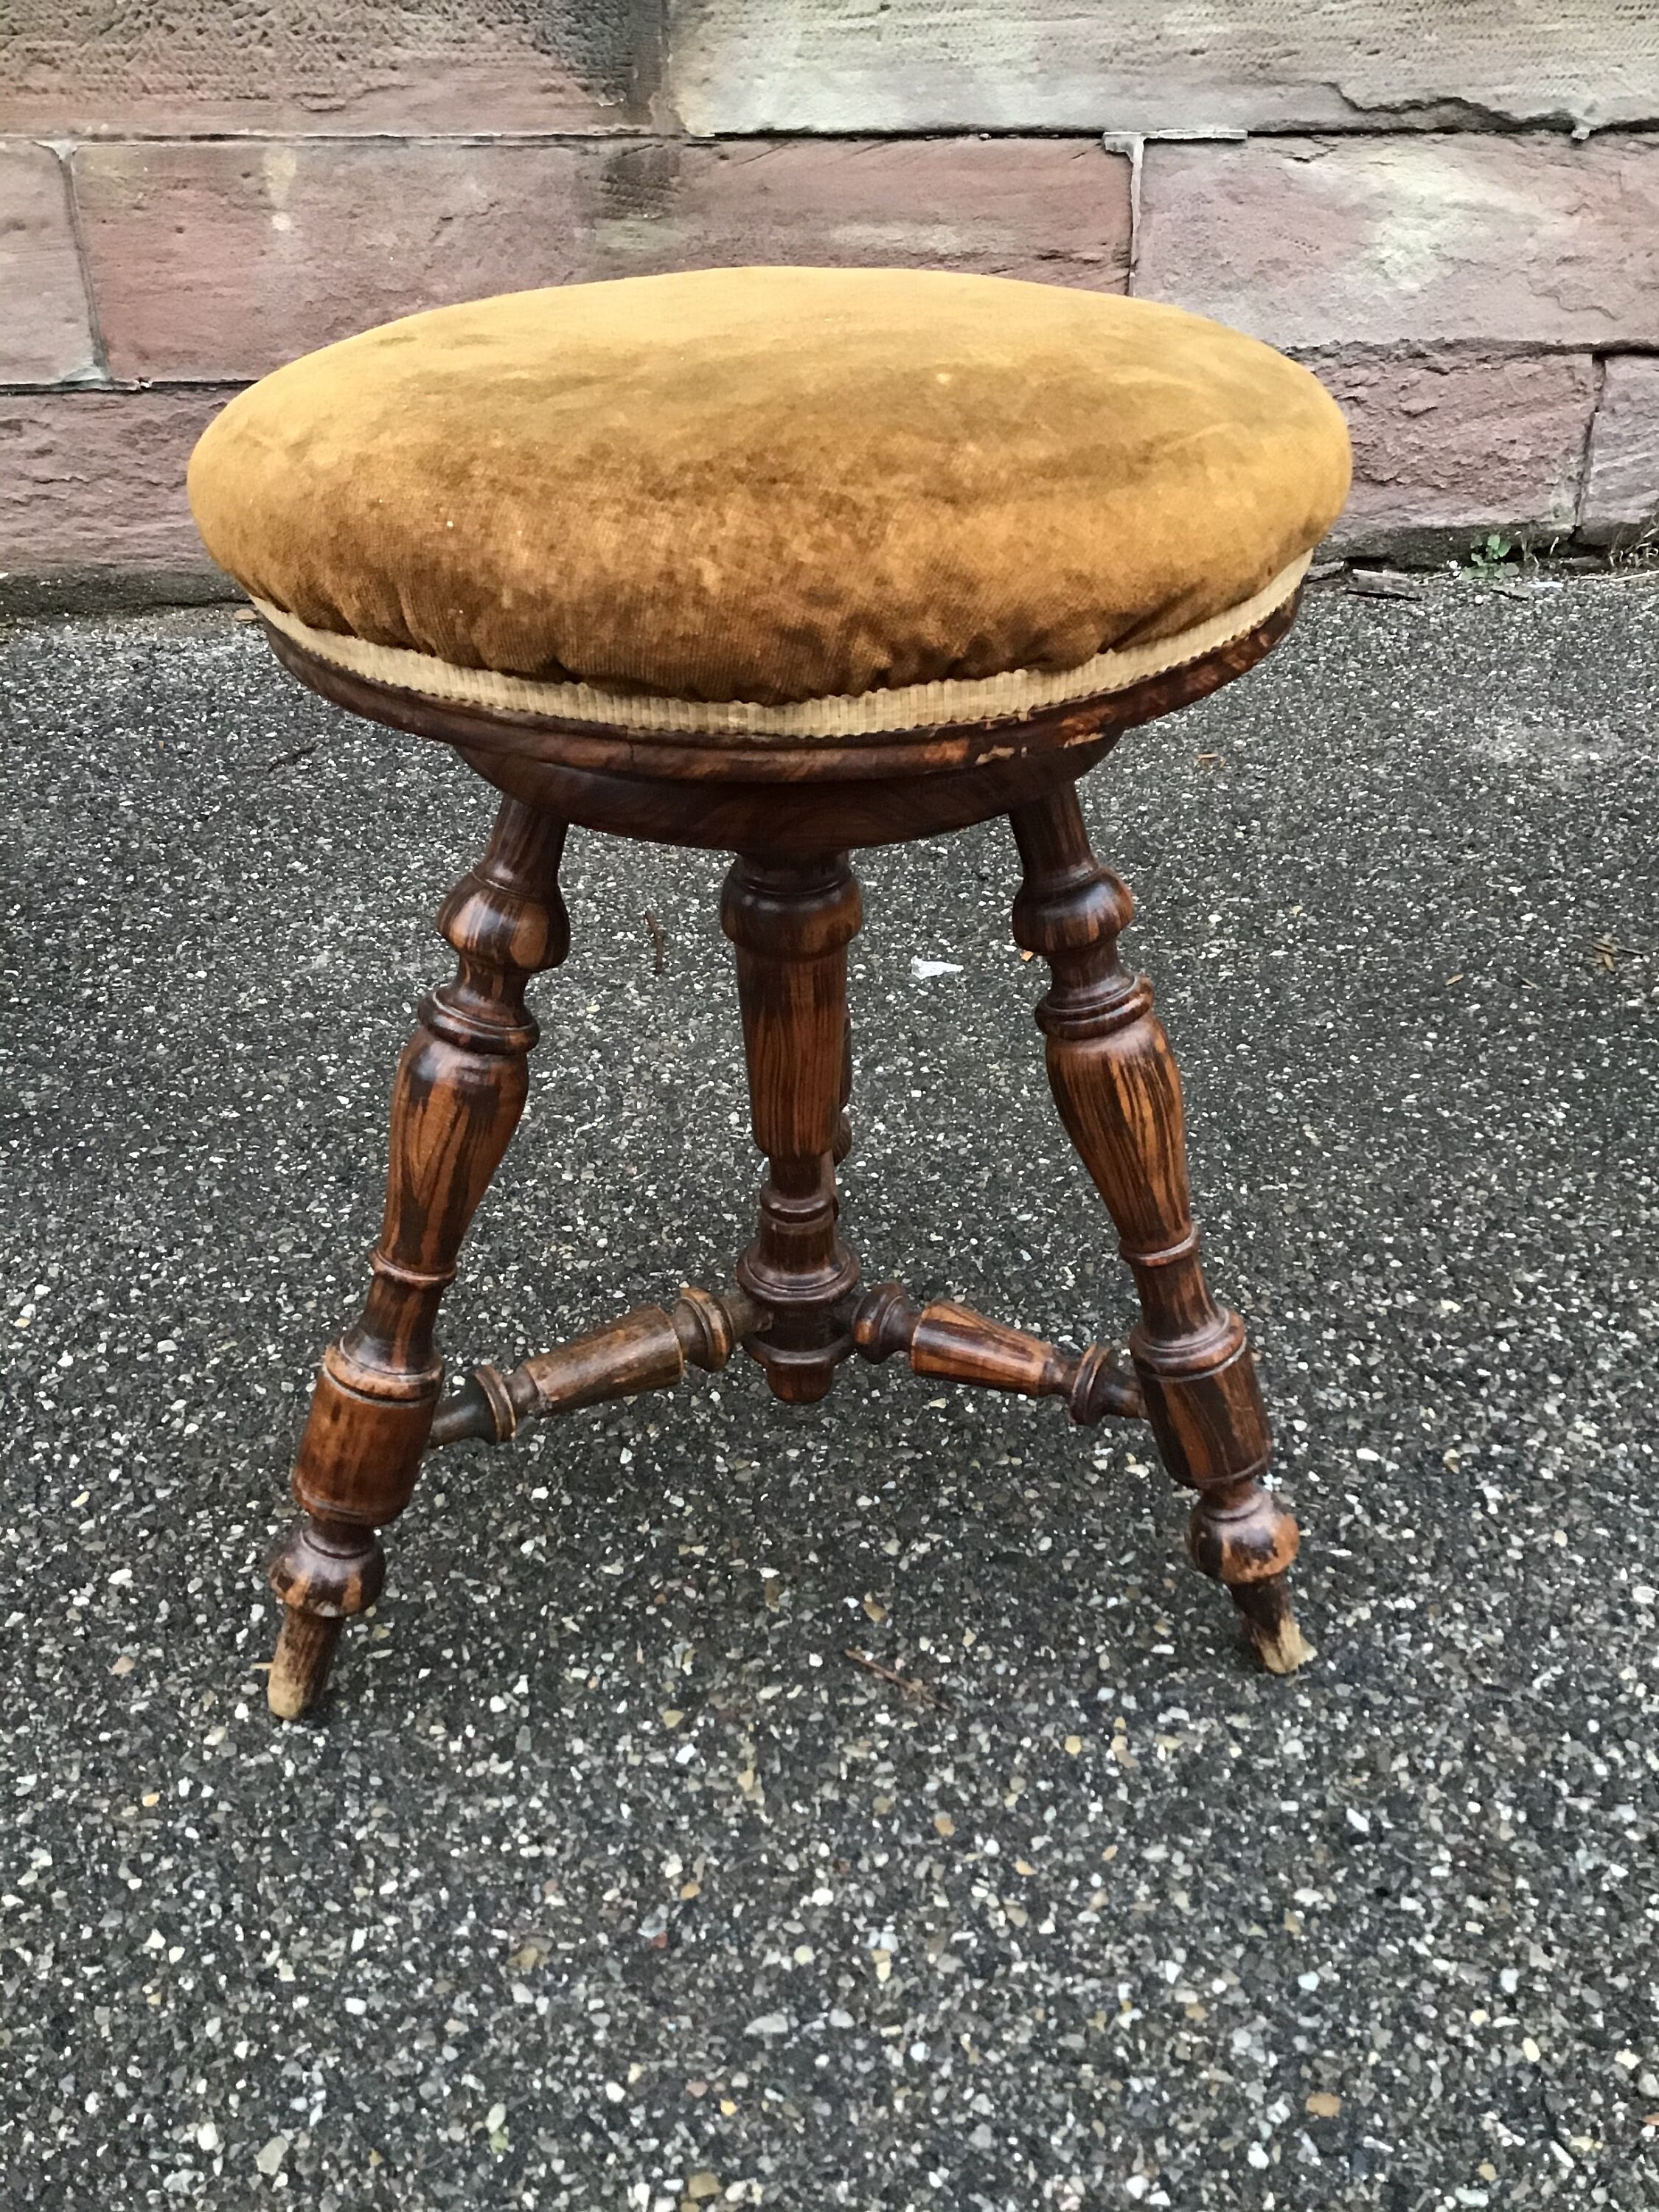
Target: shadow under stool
[789,778]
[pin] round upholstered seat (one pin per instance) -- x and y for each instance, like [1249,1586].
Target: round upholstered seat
[783,502]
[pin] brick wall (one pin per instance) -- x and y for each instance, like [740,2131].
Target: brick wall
[1451,211]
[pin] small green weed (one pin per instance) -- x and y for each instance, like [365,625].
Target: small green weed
[1492,552]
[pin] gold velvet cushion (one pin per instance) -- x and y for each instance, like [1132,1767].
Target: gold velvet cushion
[847,497]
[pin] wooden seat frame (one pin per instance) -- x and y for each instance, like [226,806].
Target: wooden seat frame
[790,813]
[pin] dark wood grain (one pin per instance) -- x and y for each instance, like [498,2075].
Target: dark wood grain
[460,1090]
[952,1343]
[791,923]
[1115,1083]
[647,1349]
[843,1144]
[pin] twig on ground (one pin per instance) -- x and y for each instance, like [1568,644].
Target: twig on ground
[921,1692]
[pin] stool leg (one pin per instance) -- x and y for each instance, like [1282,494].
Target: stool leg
[1115,1083]
[790,922]
[460,1090]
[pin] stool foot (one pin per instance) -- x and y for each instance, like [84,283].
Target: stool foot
[1240,1536]
[1271,1624]
[325,1572]
[305,1652]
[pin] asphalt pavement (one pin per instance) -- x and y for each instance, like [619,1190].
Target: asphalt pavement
[858,1805]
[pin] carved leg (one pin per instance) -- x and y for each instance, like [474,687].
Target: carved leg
[460,1090]
[790,922]
[1119,1094]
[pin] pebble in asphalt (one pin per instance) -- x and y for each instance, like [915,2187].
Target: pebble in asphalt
[606,1880]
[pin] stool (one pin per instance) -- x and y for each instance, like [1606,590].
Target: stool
[785,562]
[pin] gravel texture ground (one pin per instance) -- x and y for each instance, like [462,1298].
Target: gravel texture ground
[606,1878]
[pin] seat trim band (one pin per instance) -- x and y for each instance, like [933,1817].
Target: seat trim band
[951,701]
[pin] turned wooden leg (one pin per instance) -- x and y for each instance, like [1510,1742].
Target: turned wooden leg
[460,1090]
[1119,1094]
[790,922]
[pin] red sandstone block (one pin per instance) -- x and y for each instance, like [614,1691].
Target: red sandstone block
[85,69]
[1529,241]
[222,261]
[1456,443]
[45,329]
[96,479]
[1621,489]
[1057,210]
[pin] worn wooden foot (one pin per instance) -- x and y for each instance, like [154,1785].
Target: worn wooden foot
[460,1090]
[1271,1624]
[325,1572]
[1240,1534]
[790,922]
[305,1652]
[1119,1094]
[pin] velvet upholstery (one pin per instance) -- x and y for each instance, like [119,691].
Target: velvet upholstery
[773,484]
